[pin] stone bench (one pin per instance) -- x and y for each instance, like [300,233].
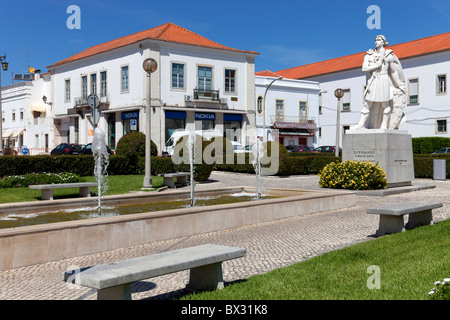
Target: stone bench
[47,189]
[169,179]
[391,216]
[113,280]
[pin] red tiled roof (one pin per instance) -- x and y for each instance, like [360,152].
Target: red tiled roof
[267,73]
[424,46]
[168,32]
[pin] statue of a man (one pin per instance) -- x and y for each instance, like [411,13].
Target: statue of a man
[385,93]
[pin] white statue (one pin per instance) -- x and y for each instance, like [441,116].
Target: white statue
[385,93]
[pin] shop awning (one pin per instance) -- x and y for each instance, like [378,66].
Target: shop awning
[17,132]
[6,133]
[38,108]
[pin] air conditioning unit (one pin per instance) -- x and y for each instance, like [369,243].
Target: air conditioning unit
[188,97]
[224,100]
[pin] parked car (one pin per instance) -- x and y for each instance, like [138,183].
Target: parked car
[327,149]
[442,150]
[66,148]
[87,149]
[298,148]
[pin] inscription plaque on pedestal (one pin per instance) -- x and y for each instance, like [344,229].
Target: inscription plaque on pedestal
[391,149]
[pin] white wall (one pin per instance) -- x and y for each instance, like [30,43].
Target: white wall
[420,118]
[292,92]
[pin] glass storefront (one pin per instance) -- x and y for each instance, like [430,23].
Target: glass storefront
[207,120]
[175,120]
[130,121]
[232,127]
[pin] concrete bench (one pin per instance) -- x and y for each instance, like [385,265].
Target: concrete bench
[113,280]
[47,189]
[169,179]
[391,216]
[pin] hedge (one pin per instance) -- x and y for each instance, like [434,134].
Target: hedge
[427,145]
[119,165]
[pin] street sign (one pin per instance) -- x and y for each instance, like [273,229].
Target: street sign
[25,150]
[93,102]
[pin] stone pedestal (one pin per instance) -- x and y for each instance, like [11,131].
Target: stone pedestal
[392,149]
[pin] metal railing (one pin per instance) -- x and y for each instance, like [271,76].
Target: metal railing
[292,119]
[208,95]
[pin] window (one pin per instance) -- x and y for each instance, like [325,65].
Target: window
[230,80]
[302,111]
[21,114]
[279,110]
[259,105]
[413,91]
[178,75]
[346,100]
[344,129]
[205,78]
[441,84]
[103,88]
[320,132]
[84,86]
[94,83]
[67,90]
[441,126]
[14,115]
[124,79]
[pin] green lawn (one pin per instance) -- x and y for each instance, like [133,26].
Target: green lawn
[116,185]
[409,264]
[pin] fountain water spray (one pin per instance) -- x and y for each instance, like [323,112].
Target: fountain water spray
[257,153]
[101,158]
[191,146]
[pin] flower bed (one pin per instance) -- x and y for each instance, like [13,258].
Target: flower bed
[23,181]
[354,175]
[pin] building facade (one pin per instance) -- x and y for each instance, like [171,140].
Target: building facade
[198,84]
[290,112]
[25,116]
[426,65]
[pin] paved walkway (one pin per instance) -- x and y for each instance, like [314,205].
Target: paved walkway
[269,245]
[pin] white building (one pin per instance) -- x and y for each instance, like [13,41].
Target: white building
[290,106]
[25,116]
[426,66]
[198,83]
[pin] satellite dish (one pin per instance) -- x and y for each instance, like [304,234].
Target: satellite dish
[31,69]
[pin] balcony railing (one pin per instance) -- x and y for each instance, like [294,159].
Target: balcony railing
[292,122]
[207,95]
[82,101]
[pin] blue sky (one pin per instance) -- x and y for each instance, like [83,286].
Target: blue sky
[285,33]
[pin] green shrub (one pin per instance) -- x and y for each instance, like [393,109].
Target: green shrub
[23,181]
[423,165]
[427,145]
[354,175]
[441,291]
[133,145]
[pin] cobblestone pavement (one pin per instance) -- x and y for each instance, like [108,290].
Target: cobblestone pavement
[269,245]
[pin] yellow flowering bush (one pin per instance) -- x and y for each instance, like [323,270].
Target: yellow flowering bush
[354,175]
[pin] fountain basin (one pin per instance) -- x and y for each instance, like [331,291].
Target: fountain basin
[60,240]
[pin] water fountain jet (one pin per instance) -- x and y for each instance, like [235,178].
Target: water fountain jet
[101,157]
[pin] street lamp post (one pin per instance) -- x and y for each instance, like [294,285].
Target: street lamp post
[4,68]
[264,101]
[150,65]
[338,93]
